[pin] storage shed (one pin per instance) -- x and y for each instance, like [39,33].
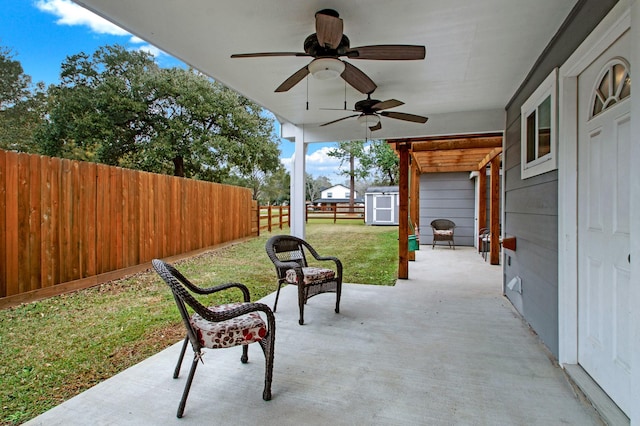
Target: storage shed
[382,205]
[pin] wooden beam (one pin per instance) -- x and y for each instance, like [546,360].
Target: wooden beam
[403,228]
[466,143]
[495,211]
[490,156]
[443,169]
[448,137]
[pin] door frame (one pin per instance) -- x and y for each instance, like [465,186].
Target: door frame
[392,209]
[616,23]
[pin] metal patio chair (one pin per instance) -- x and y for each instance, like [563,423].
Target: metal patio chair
[289,256]
[221,326]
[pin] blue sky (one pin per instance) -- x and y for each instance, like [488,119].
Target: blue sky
[42,33]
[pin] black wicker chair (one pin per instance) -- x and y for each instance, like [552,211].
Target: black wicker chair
[443,231]
[289,256]
[220,326]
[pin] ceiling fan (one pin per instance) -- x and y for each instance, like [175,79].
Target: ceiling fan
[369,112]
[328,44]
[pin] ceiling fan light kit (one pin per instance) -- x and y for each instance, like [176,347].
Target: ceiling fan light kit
[368,120]
[326,68]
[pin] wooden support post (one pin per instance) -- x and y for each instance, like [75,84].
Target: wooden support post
[414,202]
[495,211]
[269,218]
[482,202]
[403,228]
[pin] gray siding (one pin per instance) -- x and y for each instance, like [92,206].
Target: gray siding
[447,196]
[531,205]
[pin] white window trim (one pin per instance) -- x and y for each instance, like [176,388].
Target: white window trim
[549,161]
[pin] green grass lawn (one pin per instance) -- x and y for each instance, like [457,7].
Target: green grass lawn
[53,349]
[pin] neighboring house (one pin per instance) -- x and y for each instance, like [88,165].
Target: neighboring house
[337,194]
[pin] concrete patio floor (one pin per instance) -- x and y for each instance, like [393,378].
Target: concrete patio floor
[442,348]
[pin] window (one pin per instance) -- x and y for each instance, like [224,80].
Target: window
[329,194]
[538,129]
[347,194]
[614,85]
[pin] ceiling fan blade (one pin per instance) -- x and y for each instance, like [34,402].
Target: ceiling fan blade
[339,119]
[357,79]
[260,55]
[328,30]
[293,80]
[404,116]
[376,127]
[388,52]
[390,103]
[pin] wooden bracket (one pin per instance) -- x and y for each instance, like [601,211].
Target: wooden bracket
[509,243]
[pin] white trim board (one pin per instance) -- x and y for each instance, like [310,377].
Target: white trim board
[616,23]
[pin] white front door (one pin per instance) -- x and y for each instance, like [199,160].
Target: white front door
[604,308]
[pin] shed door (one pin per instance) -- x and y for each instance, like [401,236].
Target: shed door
[604,333]
[383,209]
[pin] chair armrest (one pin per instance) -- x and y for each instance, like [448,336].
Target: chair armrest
[221,287]
[208,290]
[334,259]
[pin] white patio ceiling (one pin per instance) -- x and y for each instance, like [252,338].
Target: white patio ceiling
[478,54]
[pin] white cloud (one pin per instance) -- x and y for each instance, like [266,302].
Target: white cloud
[149,48]
[69,13]
[319,163]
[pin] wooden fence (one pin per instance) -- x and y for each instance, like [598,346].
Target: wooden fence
[336,213]
[67,224]
[271,217]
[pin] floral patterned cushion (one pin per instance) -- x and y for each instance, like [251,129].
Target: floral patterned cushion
[311,274]
[241,330]
[443,232]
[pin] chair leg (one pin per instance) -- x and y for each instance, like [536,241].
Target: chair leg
[176,372]
[187,386]
[267,345]
[245,354]
[301,302]
[275,305]
[338,294]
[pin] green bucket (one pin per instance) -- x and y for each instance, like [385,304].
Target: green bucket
[413,243]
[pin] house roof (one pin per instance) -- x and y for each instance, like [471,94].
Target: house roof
[381,189]
[335,186]
[477,55]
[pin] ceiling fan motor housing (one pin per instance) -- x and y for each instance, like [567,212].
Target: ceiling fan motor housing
[366,105]
[313,48]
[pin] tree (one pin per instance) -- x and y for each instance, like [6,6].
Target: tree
[100,110]
[21,108]
[118,107]
[277,187]
[14,83]
[314,186]
[384,162]
[349,151]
